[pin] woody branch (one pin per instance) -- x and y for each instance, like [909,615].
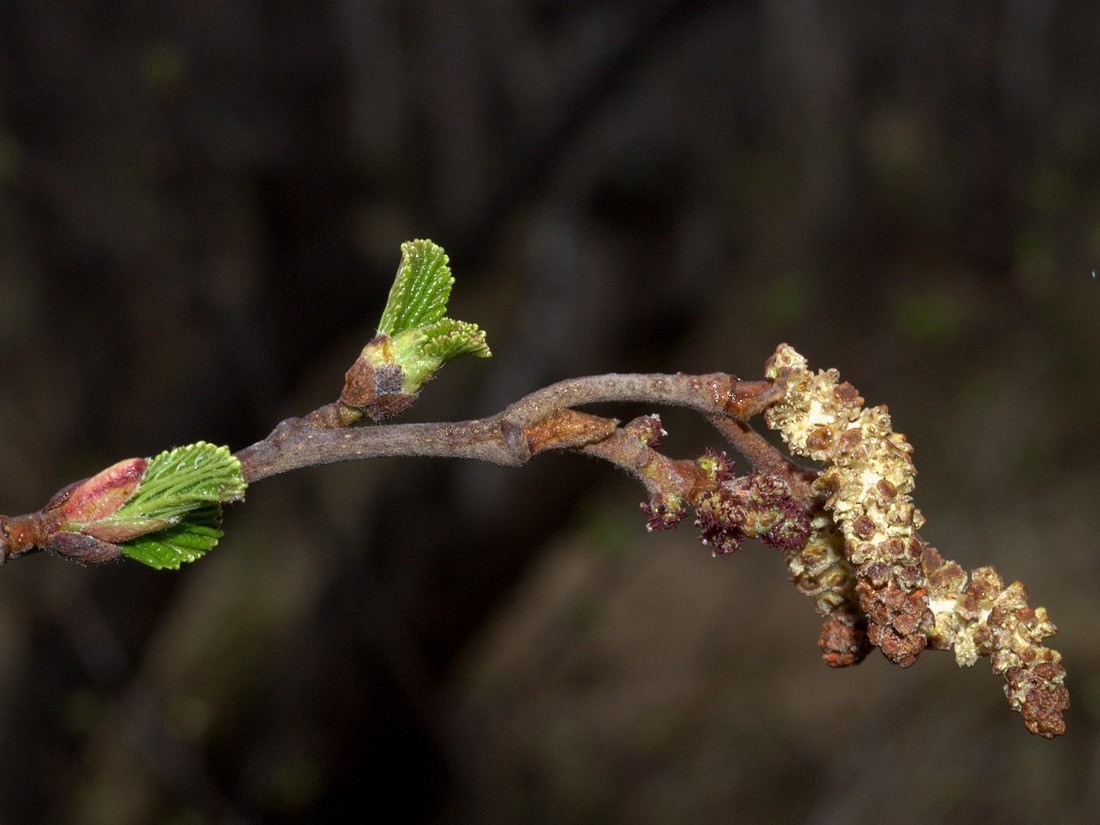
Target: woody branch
[848,530]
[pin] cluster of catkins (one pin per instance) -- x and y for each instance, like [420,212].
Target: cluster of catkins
[873,578]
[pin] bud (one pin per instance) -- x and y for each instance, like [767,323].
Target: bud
[415,338]
[160,511]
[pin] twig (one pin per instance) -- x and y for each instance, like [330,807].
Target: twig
[849,532]
[531,425]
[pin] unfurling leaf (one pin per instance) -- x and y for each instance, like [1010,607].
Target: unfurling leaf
[186,541]
[447,339]
[420,290]
[160,511]
[180,481]
[180,498]
[422,351]
[415,338]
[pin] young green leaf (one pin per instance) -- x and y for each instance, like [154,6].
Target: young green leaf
[186,541]
[180,481]
[173,515]
[415,338]
[421,289]
[448,338]
[421,352]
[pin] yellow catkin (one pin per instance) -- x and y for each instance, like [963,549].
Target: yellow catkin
[911,597]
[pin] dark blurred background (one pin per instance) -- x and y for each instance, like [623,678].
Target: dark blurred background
[200,211]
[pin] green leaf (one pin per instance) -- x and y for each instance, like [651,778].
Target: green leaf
[174,514]
[421,352]
[448,338]
[186,541]
[421,289]
[182,480]
[414,333]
